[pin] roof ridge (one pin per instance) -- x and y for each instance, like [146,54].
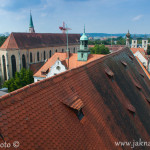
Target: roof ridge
[15,40]
[59,75]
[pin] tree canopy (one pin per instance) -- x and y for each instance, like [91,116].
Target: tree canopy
[2,39]
[22,78]
[148,50]
[99,49]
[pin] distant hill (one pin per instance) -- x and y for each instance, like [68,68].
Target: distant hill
[97,35]
[4,34]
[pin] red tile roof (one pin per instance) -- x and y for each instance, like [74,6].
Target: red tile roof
[73,62]
[38,40]
[41,116]
[144,69]
[134,50]
[35,66]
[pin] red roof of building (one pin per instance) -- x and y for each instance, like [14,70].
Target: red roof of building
[35,66]
[134,50]
[38,40]
[115,100]
[73,62]
[144,69]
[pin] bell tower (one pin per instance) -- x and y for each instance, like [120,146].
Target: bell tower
[145,43]
[84,51]
[134,42]
[128,39]
[31,26]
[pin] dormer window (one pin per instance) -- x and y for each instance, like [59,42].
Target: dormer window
[79,113]
[76,105]
[58,68]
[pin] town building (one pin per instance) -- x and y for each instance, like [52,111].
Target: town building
[89,107]
[61,62]
[140,53]
[135,44]
[22,50]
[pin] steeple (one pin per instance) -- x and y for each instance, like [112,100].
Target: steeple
[84,51]
[31,26]
[128,39]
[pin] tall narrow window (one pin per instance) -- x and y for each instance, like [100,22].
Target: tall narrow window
[50,53]
[81,55]
[74,50]
[56,51]
[30,57]
[4,67]
[44,55]
[13,63]
[37,56]
[62,50]
[23,61]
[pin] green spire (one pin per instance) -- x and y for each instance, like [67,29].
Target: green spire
[31,21]
[84,37]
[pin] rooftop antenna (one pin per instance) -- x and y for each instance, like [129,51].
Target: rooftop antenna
[65,29]
[111,40]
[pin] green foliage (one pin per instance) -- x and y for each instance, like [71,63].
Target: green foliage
[121,41]
[148,50]
[2,39]
[99,49]
[22,78]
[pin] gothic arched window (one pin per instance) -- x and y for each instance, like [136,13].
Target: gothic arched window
[13,63]
[44,55]
[4,67]
[30,57]
[37,56]
[50,53]
[23,61]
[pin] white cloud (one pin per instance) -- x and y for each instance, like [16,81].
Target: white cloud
[137,18]
[4,3]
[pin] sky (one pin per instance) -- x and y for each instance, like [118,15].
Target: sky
[99,16]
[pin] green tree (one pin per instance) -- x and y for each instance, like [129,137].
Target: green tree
[2,39]
[148,50]
[22,78]
[99,49]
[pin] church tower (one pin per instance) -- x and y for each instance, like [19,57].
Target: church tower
[128,39]
[84,51]
[134,42]
[31,26]
[145,43]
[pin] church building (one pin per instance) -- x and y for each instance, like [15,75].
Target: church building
[27,50]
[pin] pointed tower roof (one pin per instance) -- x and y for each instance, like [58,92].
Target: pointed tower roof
[128,34]
[84,37]
[31,21]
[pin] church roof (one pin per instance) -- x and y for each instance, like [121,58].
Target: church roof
[113,92]
[38,40]
[73,62]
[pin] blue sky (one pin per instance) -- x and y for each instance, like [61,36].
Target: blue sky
[99,16]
